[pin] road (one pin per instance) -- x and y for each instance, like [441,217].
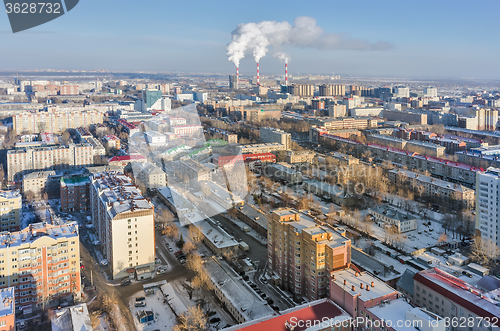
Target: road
[112,288]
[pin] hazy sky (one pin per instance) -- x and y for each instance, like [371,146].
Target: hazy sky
[428,38]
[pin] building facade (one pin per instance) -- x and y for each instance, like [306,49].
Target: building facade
[75,193]
[42,263]
[487,196]
[124,222]
[301,253]
[272,135]
[21,161]
[11,210]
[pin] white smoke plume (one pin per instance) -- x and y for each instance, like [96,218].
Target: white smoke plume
[283,57]
[255,38]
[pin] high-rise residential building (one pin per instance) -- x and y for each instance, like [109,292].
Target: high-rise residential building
[302,253]
[487,196]
[401,91]
[11,210]
[272,135]
[124,222]
[303,90]
[75,193]
[55,120]
[337,110]
[327,90]
[24,160]
[233,82]
[42,262]
[430,92]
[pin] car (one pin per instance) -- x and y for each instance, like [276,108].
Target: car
[211,313]
[269,301]
[140,304]
[82,266]
[263,280]
[170,249]
[140,299]
[157,261]
[214,320]
[126,282]
[178,253]
[263,295]
[104,262]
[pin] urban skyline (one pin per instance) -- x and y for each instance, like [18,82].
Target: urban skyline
[443,40]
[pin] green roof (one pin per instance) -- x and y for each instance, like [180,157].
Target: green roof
[74,180]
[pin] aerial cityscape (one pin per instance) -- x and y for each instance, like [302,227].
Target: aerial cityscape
[330,168]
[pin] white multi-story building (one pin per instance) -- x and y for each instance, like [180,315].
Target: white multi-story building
[185,130]
[21,161]
[271,135]
[124,222]
[430,92]
[401,91]
[155,138]
[150,175]
[487,196]
[55,120]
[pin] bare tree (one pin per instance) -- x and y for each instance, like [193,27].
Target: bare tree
[171,231]
[192,320]
[484,251]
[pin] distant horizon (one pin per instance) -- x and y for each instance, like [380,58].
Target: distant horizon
[436,39]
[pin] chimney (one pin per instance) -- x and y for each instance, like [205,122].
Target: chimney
[353,288]
[258,75]
[373,284]
[237,75]
[361,285]
[333,277]
[345,282]
[356,274]
[367,287]
[286,73]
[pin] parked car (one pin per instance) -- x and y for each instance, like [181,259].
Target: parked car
[140,304]
[170,249]
[211,313]
[140,299]
[215,320]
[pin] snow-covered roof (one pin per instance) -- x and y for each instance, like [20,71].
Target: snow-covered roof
[74,318]
[218,237]
[377,290]
[396,310]
[248,303]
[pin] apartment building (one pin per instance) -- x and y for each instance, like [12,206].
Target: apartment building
[11,205]
[123,160]
[303,90]
[21,161]
[54,120]
[42,263]
[293,157]
[449,170]
[192,171]
[124,222]
[487,156]
[112,141]
[148,174]
[40,182]
[487,196]
[283,171]
[451,195]
[259,148]
[186,130]
[75,193]
[174,121]
[327,90]
[392,217]
[155,138]
[451,297]
[330,124]
[301,253]
[230,137]
[272,135]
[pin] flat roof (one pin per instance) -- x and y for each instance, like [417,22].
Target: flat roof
[316,311]
[379,289]
[7,298]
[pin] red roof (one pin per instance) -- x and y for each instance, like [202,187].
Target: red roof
[127,158]
[458,291]
[314,312]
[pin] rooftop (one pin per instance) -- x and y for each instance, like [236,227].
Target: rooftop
[218,237]
[396,310]
[248,303]
[392,213]
[38,230]
[74,181]
[460,292]
[431,180]
[314,312]
[377,290]
[7,298]
[74,318]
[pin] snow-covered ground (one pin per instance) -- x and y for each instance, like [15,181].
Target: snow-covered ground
[164,318]
[252,232]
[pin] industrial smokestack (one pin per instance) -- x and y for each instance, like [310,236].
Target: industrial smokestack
[286,73]
[258,75]
[238,76]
